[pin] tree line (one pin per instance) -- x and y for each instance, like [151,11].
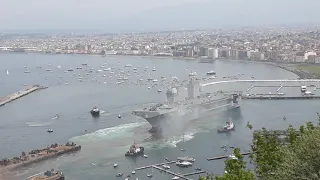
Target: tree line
[294,156]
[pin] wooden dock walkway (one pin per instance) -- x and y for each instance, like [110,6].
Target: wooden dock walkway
[19,94]
[172,173]
[150,166]
[278,132]
[194,173]
[225,156]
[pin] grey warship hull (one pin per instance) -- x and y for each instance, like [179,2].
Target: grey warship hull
[169,117]
[182,106]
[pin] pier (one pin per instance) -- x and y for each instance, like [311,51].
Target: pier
[150,166]
[36,156]
[280,97]
[19,94]
[277,132]
[182,176]
[225,156]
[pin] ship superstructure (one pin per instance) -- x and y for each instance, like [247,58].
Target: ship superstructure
[182,102]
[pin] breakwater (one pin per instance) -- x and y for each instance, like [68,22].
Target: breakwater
[19,94]
[36,156]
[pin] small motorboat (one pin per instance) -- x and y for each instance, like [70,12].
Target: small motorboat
[95,112]
[186,158]
[183,163]
[175,178]
[56,117]
[193,74]
[232,156]
[119,116]
[145,156]
[211,73]
[119,175]
[228,127]
[133,172]
[198,169]
[115,165]
[149,175]
[165,166]
[49,130]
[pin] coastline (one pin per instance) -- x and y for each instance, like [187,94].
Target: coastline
[291,67]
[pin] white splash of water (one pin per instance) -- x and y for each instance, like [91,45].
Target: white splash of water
[108,133]
[39,124]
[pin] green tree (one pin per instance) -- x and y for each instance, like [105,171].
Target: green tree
[295,158]
[236,168]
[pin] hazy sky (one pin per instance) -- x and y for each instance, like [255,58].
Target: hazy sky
[145,15]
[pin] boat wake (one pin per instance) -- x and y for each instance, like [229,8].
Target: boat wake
[111,133]
[39,124]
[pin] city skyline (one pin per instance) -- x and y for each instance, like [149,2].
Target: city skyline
[140,16]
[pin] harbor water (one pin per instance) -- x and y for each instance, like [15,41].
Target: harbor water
[24,122]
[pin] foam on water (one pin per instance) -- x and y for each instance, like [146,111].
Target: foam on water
[121,131]
[39,124]
[173,141]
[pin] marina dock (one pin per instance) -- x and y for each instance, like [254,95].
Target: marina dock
[37,155]
[278,132]
[225,156]
[19,94]
[172,173]
[280,97]
[150,166]
[182,176]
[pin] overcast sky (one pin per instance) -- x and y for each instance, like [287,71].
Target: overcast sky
[153,15]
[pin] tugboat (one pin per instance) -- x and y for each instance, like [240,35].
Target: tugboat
[228,127]
[135,150]
[95,112]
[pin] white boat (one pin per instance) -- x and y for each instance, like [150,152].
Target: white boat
[176,177]
[155,80]
[27,71]
[133,172]
[154,69]
[128,65]
[186,158]
[145,156]
[228,127]
[149,175]
[115,165]
[165,166]
[135,69]
[159,90]
[108,69]
[193,74]
[232,156]
[7,72]
[211,73]
[183,163]
[99,70]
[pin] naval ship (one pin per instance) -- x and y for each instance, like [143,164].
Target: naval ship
[185,103]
